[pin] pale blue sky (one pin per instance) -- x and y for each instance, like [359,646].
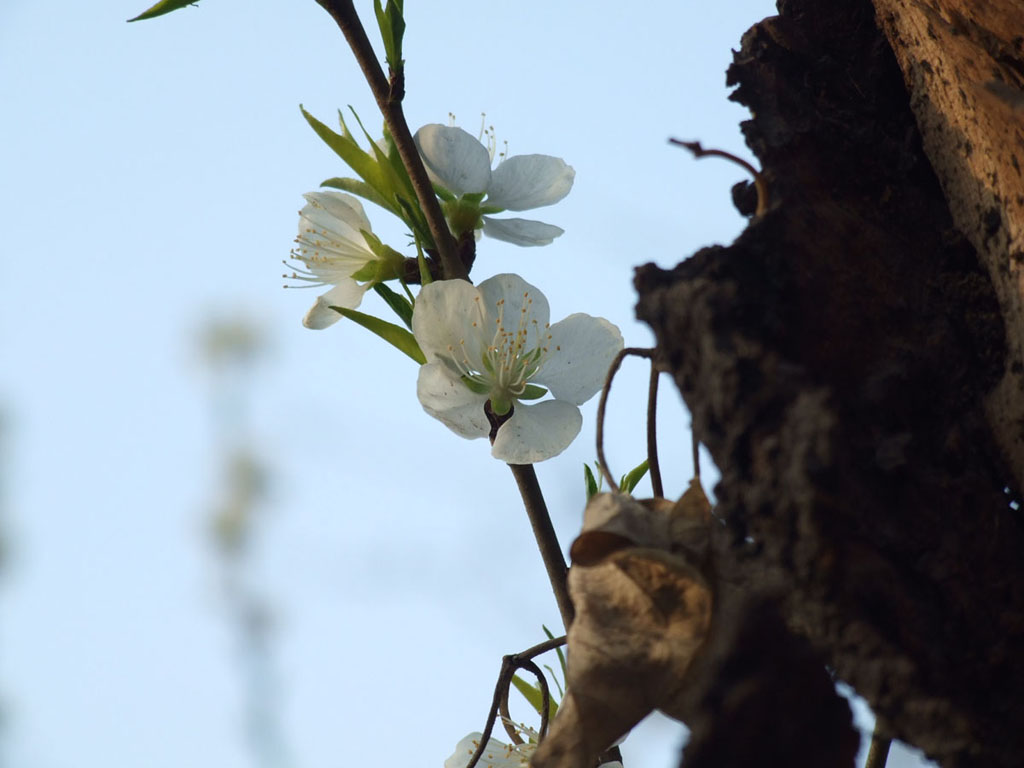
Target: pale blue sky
[152,173]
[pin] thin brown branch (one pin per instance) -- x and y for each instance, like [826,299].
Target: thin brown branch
[759,182]
[547,540]
[653,466]
[603,403]
[878,753]
[499,702]
[539,648]
[389,99]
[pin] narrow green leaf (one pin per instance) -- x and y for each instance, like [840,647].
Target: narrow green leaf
[164,6]
[591,483]
[533,695]
[348,150]
[395,335]
[416,220]
[392,28]
[360,189]
[421,261]
[558,650]
[558,685]
[634,476]
[400,305]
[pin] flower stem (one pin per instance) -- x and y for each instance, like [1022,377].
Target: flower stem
[878,753]
[652,433]
[389,100]
[547,540]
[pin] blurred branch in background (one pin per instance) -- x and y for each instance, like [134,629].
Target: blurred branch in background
[231,349]
[5,551]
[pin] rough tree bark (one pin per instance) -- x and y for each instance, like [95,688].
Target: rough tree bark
[855,364]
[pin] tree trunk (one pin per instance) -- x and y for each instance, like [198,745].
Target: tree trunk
[855,364]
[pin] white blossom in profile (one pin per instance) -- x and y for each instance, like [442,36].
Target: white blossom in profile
[335,248]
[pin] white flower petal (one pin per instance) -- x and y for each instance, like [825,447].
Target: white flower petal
[529,181]
[443,395]
[347,293]
[522,232]
[454,159]
[537,432]
[446,314]
[343,207]
[580,351]
[519,299]
[497,754]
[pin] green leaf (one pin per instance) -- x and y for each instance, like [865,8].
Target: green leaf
[345,146]
[164,6]
[558,650]
[533,695]
[634,476]
[558,685]
[591,483]
[358,188]
[392,29]
[421,261]
[395,335]
[398,303]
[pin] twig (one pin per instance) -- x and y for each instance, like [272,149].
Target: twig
[652,433]
[878,753]
[509,665]
[696,453]
[547,539]
[389,100]
[759,182]
[603,403]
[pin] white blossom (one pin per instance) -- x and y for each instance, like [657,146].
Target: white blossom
[457,161]
[333,249]
[498,754]
[493,342]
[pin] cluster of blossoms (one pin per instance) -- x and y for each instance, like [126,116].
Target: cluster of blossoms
[490,349]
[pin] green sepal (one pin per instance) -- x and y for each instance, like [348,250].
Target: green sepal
[500,406]
[487,210]
[164,6]
[392,29]
[463,215]
[477,387]
[634,476]
[532,392]
[590,482]
[399,304]
[533,695]
[443,193]
[395,335]
[387,266]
